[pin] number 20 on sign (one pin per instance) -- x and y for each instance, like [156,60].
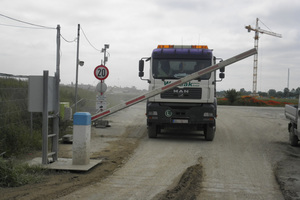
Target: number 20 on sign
[101,72]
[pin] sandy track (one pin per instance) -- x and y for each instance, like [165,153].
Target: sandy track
[238,164]
[249,155]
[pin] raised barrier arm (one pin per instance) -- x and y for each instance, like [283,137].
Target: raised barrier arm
[174,84]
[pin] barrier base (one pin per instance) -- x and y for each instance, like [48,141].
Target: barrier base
[65,164]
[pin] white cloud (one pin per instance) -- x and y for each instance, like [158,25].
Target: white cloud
[135,27]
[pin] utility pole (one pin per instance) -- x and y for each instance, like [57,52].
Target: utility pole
[258,30]
[77,62]
[288,81]
[57,100]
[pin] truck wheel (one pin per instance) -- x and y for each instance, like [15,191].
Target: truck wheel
[209,133]
[293,138]
[152,131]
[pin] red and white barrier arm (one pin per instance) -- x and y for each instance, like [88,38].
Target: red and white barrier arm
[174,84]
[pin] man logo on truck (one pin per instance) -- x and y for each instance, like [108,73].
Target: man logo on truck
[168,113]
[180,92]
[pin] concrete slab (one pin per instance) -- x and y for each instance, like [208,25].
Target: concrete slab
[65,164]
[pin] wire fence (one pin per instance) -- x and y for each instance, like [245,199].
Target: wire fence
[13,102]
[19,129]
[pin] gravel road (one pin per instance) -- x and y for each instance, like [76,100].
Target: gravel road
[243,162]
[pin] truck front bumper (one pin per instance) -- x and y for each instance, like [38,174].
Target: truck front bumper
[172,114]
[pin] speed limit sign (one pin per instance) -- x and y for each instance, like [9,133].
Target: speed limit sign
[101,72]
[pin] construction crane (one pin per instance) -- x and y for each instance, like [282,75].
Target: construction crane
[258,30]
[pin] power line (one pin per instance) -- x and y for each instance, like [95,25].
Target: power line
[45,27]
[12,75]
[69,41]
[21,26]
[89,41]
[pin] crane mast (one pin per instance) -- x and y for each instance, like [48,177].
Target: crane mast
[258,30]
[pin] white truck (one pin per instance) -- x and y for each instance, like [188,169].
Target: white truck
[190,105]
[292,112]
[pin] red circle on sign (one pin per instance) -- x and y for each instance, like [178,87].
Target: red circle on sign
[101,72]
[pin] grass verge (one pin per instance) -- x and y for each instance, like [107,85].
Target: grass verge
[13,174]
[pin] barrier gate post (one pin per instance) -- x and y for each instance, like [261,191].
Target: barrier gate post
[81,138]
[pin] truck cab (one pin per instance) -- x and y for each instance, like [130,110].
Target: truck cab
[191,105]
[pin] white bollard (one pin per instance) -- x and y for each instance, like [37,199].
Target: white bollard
[81,138]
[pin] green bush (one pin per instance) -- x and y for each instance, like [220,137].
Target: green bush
[232,95]
[13,174]
[17,140]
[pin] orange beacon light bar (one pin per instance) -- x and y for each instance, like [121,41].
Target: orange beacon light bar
[182,46]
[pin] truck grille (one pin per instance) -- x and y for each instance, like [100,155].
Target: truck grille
[182,93]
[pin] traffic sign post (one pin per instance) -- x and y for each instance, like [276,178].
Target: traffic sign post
[100,102]
[101,87]
[101,72]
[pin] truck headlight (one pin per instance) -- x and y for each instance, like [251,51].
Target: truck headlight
[152,113]
[207,114]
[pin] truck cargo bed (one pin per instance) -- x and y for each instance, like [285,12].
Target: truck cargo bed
[291,112]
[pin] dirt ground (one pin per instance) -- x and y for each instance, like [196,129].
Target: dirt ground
[288,173]
[118,150]
[187,187]
[59,183]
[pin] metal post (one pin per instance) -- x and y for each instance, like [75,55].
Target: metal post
[45,119]
[77,60]
[56,100]
[31,125]
[58,53]
[105,59]
[288,81]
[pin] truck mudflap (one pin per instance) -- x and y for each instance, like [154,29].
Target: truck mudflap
[293,137]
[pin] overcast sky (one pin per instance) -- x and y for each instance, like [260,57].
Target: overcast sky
[133,28]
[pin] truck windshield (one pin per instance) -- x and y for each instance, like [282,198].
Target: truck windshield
[178,68]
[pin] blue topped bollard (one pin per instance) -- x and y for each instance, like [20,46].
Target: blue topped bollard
[81,138]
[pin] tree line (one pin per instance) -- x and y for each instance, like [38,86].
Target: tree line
[286,93]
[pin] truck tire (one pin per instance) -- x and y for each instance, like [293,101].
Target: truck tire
[209,133]
[293,138]
[153,130]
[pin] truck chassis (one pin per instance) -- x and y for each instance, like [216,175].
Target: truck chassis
[292,113]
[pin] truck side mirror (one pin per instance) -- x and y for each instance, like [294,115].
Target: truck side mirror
[141,74]
[141,65]
[222,69]
[221,75]
[141,68]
